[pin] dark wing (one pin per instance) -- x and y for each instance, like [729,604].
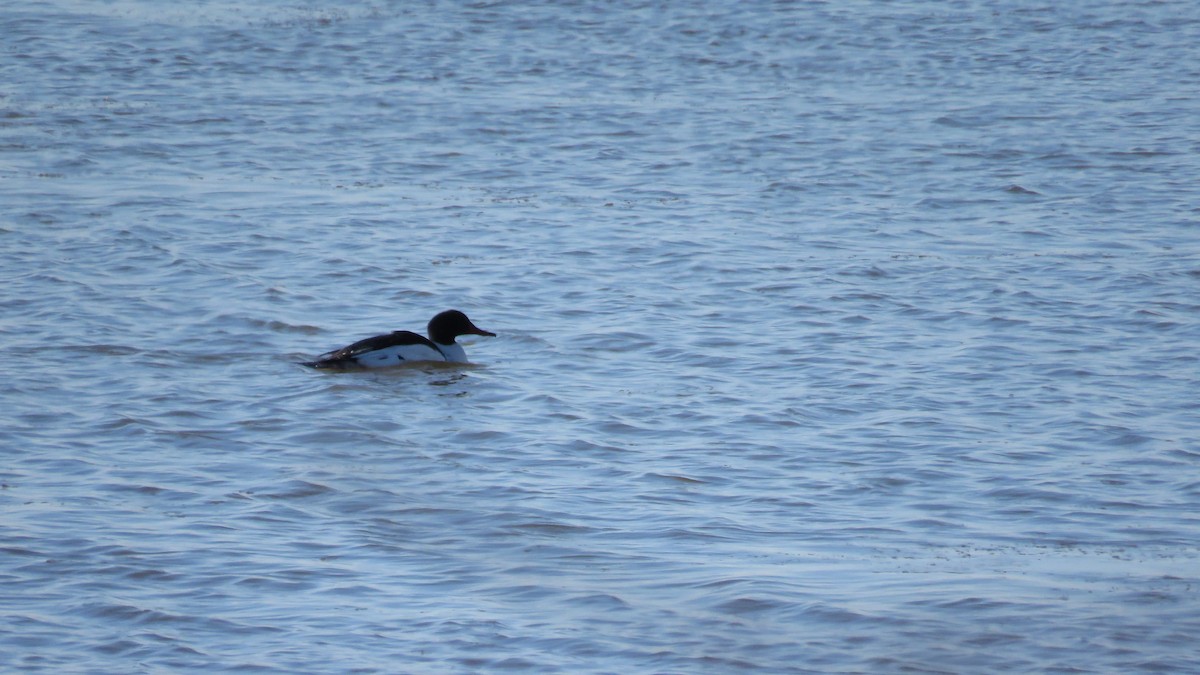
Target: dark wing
[394,339]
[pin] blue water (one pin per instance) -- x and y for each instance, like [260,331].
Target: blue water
[847,337]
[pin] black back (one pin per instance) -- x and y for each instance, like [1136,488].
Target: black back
[394,339]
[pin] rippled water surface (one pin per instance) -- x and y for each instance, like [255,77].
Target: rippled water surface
[846,337]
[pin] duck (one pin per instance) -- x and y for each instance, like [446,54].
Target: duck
[403,346]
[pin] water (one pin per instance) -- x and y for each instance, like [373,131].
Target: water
[849,337]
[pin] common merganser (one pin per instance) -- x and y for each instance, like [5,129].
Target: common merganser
[404,346]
